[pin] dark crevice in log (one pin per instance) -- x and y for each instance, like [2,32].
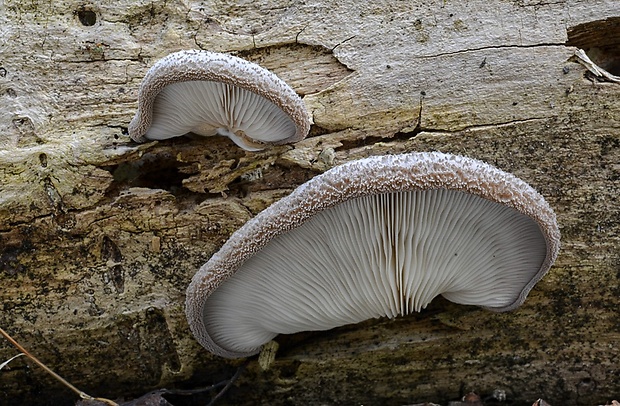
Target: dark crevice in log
[600,40]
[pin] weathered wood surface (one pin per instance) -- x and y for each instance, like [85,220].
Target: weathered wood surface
[100,236]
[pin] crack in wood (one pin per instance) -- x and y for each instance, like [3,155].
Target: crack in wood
[488,126]
[307,69]
[494,47]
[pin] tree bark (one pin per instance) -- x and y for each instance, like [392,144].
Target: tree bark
[100,236]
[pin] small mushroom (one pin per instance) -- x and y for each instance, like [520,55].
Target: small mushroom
[381,236]
[208,93]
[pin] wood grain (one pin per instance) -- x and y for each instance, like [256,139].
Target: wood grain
[99,236]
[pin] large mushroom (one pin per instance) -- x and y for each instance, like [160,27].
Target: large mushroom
[381,236]
[209,93]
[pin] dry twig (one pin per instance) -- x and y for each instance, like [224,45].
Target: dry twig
[34,359]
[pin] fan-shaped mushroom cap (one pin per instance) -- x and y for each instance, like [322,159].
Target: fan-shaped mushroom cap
[209,93]
[381,236]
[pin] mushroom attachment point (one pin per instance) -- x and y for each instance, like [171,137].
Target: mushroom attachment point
[381,236]
[209,93]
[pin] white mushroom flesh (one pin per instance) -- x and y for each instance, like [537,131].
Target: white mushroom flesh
[210,93]
[378,255]
[208,108]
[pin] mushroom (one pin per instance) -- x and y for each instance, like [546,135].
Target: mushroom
[208,93]
[380,236]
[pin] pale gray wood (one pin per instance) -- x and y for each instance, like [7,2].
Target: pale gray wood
[100,236]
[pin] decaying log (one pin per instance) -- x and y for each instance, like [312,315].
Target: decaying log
[100,236]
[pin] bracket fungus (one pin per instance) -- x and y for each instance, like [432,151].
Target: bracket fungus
[381,236]
[209,93]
